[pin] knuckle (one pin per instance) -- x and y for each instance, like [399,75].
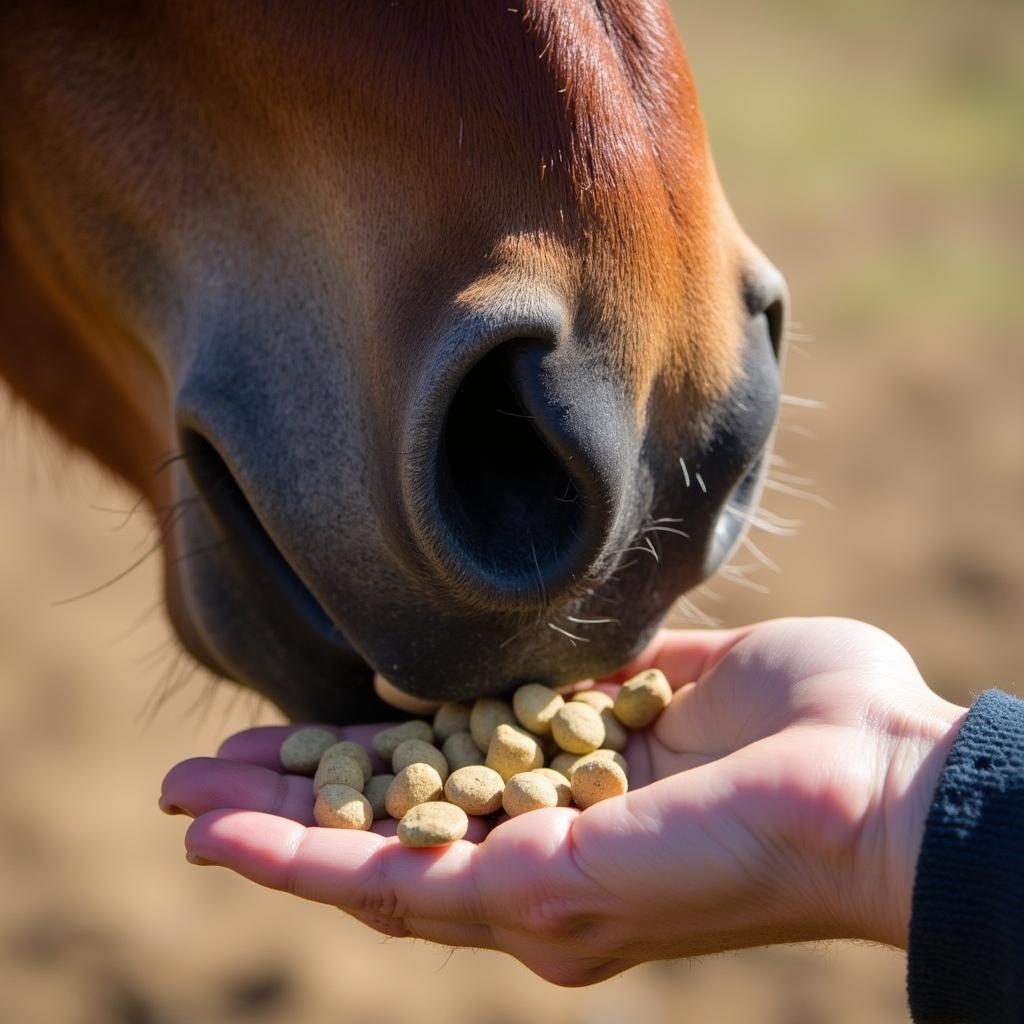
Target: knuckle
[384,925]
[379,899]
[556,919]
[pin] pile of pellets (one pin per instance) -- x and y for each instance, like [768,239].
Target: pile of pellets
[479,759]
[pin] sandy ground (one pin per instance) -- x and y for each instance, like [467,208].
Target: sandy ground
[919,452]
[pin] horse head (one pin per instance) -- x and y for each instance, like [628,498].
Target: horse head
[424,328]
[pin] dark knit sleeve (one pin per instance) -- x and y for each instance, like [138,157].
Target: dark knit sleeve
[965,955]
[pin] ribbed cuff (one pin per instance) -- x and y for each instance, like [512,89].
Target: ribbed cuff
[965,956]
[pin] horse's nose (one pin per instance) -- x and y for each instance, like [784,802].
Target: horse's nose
[527,476]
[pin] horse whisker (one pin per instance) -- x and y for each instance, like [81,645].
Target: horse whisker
[795,492]
[801,403]
[572,636]
[666,529]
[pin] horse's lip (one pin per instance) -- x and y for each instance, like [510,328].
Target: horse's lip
[255,549]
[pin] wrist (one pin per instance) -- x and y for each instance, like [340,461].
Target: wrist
[918,743]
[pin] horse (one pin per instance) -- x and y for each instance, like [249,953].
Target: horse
[424,329]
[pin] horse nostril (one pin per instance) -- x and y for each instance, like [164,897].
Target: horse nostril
[523,501]
[511,503]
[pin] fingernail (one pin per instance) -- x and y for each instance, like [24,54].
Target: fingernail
[194,858]
[169,808]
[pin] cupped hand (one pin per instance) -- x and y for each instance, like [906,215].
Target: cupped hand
[780,797]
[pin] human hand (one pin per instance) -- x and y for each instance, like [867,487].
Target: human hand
[780,797]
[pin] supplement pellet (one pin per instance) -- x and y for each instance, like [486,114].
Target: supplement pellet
[356,751]
[385,742]
[596,779]
[340,770]
[417,784]
[642,699]
[415,751]
[512,751]
[450,718]
[535,705]
[460,751]
[302,750]
[433,824]
[476,789]
[528,791]
[376,790]
[342,807]
[577,728]
[486,716]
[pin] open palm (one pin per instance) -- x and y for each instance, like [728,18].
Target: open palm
[780,797]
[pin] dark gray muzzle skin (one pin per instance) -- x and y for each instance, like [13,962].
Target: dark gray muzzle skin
[509,527]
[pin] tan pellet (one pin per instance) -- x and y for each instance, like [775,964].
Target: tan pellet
[535,705]
[347,748]
[342,807]
[412,751]
[562,788]
[339,770]
[596,779]
[604,754]
[615,735]
[433,824]
[486,716]
[460,751]
[302,750]
[450,718]
[476,789]
[577,728]
[565,763]
[642,699]
[512,751]
[376,790]
[597,699]
[388,739]
[416,784]
[528,791]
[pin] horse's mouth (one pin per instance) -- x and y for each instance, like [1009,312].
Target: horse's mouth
[283,597]
[304,604]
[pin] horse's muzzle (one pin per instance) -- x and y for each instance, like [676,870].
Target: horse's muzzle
[520,522]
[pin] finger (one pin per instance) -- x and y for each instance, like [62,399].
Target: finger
[682,654]
[204,784]
[715,718]
[683,725]
[391,694]
[358,871]
[262,745]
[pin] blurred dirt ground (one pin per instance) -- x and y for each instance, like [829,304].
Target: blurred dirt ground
[870,153]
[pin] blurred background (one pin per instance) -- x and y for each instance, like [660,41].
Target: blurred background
[875,152]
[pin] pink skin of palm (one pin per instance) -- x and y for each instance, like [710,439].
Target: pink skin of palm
[780,797]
